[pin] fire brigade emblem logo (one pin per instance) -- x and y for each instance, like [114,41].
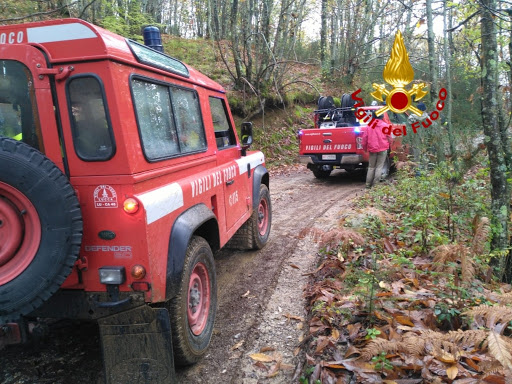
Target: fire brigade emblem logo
[105,197]
[398,72]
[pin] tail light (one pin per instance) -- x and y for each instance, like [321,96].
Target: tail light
[131,205]
[138,272]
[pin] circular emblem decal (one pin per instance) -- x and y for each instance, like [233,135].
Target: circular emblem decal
[105,197]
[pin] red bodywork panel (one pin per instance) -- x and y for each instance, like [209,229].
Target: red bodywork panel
[330,141]
[164,189]
[340,140]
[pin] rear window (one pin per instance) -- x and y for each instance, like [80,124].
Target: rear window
[169,120]
[92,133]
[18,110]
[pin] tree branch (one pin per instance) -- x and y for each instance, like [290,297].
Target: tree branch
[85,8]
[40,13]
[301,81]
[464,22]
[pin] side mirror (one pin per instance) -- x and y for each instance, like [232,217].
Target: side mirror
[246,136]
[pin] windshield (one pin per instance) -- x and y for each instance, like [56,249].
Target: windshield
[18,111]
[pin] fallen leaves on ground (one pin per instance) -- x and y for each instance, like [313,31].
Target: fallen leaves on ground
[387,320]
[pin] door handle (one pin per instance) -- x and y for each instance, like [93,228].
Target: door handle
[229,182]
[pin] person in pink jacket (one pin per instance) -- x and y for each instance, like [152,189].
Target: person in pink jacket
[377,143]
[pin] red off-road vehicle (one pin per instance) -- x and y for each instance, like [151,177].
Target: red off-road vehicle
[336,140]
[121,173]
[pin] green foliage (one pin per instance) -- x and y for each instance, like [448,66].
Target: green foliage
[445,312]
[318,306]
[128,26]
[436,207]
[300,97]
[402,258]
[308,371]
[381,362]
[372,333]
[201,54]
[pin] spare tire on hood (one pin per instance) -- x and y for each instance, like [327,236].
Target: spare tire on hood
[40,229]
[347,104]
[326,102]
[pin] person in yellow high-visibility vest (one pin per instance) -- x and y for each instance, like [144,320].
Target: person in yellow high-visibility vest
[18,137]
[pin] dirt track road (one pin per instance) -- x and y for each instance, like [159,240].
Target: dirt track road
[257,290]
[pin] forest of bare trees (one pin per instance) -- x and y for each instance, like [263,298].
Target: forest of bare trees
[464,46]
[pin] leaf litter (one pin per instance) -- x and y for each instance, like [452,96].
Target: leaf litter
[384,310]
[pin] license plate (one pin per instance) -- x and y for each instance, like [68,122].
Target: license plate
[328,157]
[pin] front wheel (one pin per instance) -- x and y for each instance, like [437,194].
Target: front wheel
[262,219]
[192,311]
[254,233]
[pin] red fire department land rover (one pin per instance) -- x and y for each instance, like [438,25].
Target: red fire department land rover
[336,140]
[121,173]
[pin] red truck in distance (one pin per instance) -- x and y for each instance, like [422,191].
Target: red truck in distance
[335,142]
[121,174]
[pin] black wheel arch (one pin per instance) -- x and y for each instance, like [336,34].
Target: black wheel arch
[260,176]
[197,220]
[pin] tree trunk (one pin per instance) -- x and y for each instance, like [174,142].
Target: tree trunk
[434,134]
[248,39]
[215,19]
[224,19]
[334,32]
[323,34]
[431,54]
[235,43]
[499,170]
[448,79]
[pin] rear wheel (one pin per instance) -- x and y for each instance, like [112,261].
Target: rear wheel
[321,173]
[192,311]
[40,229]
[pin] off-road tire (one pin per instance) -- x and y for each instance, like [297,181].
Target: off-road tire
[248,235]
[321,173]
[189,347]
[39,207]
[260,232]
[325,102]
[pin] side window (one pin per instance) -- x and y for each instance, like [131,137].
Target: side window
[188,120]
[224,134]
[92,133]
[18,110]
[155,118]
[169,120]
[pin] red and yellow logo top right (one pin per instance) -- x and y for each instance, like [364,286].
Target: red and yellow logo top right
[398,72]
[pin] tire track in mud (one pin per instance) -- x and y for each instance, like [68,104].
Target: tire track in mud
[247,281]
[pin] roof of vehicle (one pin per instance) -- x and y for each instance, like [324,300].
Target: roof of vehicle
[71,40]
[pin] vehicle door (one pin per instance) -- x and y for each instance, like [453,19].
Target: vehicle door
[26,102]
[234,178]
